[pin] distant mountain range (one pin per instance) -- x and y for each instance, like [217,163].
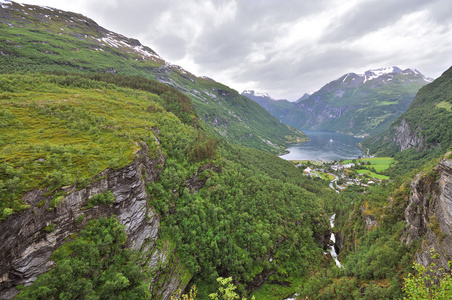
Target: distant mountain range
[42,39]
[358,104]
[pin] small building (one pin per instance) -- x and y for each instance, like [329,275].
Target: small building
[307,170]
[342,167]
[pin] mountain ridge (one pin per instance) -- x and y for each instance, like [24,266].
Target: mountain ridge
[357,104]
[42,39]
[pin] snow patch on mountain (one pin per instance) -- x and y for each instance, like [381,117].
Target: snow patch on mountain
[257,94]
[375,73]
[4,3]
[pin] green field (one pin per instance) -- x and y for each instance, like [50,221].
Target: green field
[379,163]
[326,176]
[372,174]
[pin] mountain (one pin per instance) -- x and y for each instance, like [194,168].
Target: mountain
[423,131]
[277,108]
[42,39]
[358,104]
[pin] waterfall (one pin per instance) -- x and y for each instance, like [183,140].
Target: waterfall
[333,239]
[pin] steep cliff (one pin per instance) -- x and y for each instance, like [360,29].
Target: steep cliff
[28,239]
[429,214]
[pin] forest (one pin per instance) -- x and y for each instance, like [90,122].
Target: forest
[229,210]
[252,214]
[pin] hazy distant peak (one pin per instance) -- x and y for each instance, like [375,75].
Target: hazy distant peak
[305,96]
[256,94]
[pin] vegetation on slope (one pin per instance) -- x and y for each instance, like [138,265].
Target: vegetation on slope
[251,223]
[229,210]
[93,265]
[63,130]
[37,39]
[428,118]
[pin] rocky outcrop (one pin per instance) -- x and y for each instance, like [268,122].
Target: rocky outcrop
[29,238]
[406,138]
[197,181]
[169,277]
[429,214]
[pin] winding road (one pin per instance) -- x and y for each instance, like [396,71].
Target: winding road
[333,182]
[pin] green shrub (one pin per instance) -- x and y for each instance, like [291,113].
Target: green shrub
[105,198]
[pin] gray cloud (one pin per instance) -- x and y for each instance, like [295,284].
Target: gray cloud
[284,48]
[370,16]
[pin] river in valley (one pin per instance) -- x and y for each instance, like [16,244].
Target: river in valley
[325,146]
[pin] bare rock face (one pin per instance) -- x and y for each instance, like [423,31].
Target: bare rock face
[406,138]
[429,214]
[29,238]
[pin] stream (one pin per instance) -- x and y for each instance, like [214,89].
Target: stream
[332,251]
[333,239]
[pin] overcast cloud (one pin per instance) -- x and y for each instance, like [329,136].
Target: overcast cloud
[284,48]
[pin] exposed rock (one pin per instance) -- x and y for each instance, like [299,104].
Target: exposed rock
[406,138]
[216,120]
[169,277]
[371,224]
[429,214]
[26,247]
[197,182]
[224,93]
[324,239]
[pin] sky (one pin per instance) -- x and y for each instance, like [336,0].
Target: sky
[283,48]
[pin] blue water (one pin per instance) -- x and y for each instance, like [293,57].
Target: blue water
[325,146]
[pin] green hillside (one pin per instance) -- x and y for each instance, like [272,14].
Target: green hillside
[88,102]
[423,131]
[59,131]
[36,39]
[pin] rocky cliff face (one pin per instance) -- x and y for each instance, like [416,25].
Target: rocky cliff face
[405,137]
[429,214]
[27,242]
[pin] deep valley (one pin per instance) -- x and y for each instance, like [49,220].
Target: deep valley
[123,176]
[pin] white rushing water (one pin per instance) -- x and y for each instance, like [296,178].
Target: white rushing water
[332,251]
[333,239]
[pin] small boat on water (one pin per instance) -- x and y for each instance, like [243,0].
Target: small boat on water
[331,140]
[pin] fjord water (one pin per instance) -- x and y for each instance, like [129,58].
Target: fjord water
[325,146]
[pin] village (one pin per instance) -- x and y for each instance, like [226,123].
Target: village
[343,174]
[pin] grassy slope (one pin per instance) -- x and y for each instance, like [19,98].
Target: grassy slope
[73,43]
[55,134]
